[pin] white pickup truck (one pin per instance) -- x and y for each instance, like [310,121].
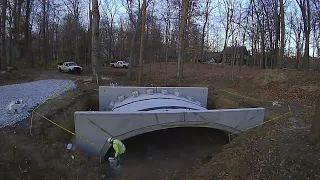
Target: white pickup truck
[69,67]
[120,64]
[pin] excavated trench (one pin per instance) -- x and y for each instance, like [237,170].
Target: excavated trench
[154,155]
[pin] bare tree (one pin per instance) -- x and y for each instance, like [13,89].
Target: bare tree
[227,27]
[167,36]
[3,30]
[143,22]
[296,25]
[206,15]
[283,29]
[74,9]
[111,11]
[306,13]
[44,33]
[95,42]
[135,25]
[27,31]
[182,29]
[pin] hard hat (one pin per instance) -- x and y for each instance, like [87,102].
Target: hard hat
[110,140]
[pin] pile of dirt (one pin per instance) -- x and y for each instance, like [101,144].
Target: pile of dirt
[22,157]
[16,76]
[279,150]
[40,155]
[292,86]
[269,76]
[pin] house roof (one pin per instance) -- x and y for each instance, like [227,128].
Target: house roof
[233,49]
[210,53]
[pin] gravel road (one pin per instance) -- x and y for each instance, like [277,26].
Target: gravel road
[32,93]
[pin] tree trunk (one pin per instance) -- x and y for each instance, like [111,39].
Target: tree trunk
[133,42]
[307,36]
[90,37]
[226,37]
[1,47]
[305,11]
[277,30]
[111,41]
[166,65]
[168,26]
[44,35]
[283,29]
[204,29]
[135,28]
[95,48]
[3,30]
[143,22]
[27,32]
[183,22]
[17,15]
[9,61]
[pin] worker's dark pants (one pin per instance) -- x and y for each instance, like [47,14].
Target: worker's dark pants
[120,160]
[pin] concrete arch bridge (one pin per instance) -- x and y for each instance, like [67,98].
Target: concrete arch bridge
[125,112]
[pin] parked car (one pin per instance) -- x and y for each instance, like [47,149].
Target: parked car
[120,64]
[69,67]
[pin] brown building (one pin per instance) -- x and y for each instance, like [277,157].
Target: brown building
[237,53]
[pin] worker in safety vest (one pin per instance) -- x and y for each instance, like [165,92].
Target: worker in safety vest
[119,149]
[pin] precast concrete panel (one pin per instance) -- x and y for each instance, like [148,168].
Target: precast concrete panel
[98,126]
[154,103]
[109,93]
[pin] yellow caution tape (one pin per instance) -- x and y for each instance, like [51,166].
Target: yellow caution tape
[51,96]
[44,101]
[65,129]
[58,125]
[239,95]
[272,119]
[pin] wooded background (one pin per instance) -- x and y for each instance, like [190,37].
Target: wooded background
[39,33]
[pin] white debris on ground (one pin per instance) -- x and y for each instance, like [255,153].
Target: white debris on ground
[16,106]
[276,103]
[31,94]
[113,84]
[88,79]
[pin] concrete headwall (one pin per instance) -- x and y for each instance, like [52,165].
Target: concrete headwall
[97,126]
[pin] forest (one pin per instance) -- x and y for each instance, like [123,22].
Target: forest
[246,53]
[40,33]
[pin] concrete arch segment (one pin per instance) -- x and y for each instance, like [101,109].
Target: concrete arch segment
[109,93]
[98,126]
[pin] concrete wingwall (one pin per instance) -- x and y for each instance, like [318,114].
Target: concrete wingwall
[97,126]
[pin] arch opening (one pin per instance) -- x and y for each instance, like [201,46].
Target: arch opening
[162,152]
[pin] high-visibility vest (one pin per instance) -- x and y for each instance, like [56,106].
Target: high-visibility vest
[118,147]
